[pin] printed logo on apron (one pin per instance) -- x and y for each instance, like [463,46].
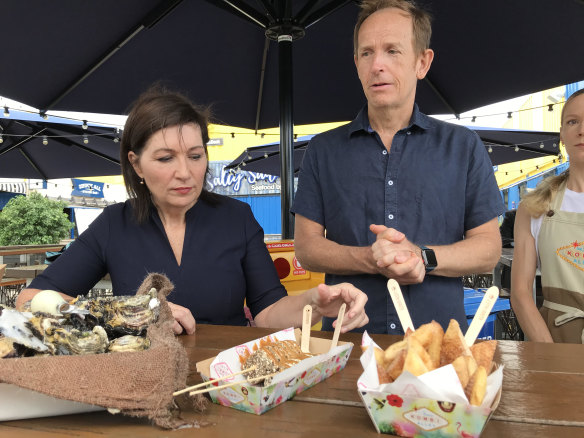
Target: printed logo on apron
[573,254]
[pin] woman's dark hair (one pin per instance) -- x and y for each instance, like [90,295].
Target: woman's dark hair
[156,109]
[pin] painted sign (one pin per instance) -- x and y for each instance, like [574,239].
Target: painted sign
[240,183]
[91,189]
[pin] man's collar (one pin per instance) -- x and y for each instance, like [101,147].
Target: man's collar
[361,122]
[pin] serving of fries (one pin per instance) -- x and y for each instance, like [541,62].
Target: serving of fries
[429,347]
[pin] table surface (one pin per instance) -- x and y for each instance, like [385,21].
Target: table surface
[542,394]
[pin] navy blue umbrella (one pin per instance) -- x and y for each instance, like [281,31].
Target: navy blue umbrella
[242,57]
[32,147]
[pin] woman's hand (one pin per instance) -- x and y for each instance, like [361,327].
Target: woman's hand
[183,319]
[327,300]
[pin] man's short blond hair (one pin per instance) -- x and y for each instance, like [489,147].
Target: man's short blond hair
[421,20]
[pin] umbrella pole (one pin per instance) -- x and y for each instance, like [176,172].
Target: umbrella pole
[286,134]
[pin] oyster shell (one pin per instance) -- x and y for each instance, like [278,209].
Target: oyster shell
[124,315]
[7,348]
[17,326]
[68,340]
[129,343]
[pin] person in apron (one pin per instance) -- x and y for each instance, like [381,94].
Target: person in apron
[549,234]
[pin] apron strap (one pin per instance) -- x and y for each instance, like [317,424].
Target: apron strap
[570,313]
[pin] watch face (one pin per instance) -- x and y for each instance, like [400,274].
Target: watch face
[429,258]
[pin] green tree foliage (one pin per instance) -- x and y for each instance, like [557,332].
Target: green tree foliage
[33,220]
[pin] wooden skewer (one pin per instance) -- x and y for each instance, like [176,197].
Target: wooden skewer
[400,305]
[306,324]
[340,317]
[482,314]
[209,382]
[227,385]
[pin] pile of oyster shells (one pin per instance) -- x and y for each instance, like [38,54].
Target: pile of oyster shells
[85,326]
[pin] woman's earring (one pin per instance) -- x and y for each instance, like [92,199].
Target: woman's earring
[142,181]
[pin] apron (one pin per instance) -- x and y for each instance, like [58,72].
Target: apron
[561,251]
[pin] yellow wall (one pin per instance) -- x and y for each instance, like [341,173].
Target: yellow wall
[236,140]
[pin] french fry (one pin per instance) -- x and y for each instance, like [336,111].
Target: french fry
[453,344]
[382,375]
[483,353]
[461,369]
[396,367]
[471,364]
[465,367]
[414,363]
[393,350]
[413,344]
[430,336]
[477,387]
[378,355]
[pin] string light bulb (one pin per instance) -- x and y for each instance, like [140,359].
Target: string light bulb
[85,139]
[44,115]
[6,112]
[265,155]
[551,107]
[516,148]
[541,145]
[1,139]
[233,135]
[263,134]
[490,149]
[116,139]
[509,115]
[84,125]
[474,119]
[45,140]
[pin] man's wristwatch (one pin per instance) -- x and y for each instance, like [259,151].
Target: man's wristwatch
[429,258]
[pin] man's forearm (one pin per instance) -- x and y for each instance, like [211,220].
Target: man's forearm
[478,254]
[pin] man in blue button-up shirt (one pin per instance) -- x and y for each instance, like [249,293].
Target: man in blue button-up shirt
[373,192]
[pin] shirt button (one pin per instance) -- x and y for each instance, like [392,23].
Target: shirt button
[384,152]
[390,182]
[392,326]
[390,216]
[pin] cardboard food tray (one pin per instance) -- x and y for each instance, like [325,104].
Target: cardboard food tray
[422,417]
[407,413]
[19,403]
[258,399]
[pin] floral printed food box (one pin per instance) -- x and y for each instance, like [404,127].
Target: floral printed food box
[257,398]
[417,417]
[412,407]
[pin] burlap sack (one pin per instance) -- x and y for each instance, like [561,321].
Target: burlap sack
[136,383]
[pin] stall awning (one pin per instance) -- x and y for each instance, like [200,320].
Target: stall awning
[13,187]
